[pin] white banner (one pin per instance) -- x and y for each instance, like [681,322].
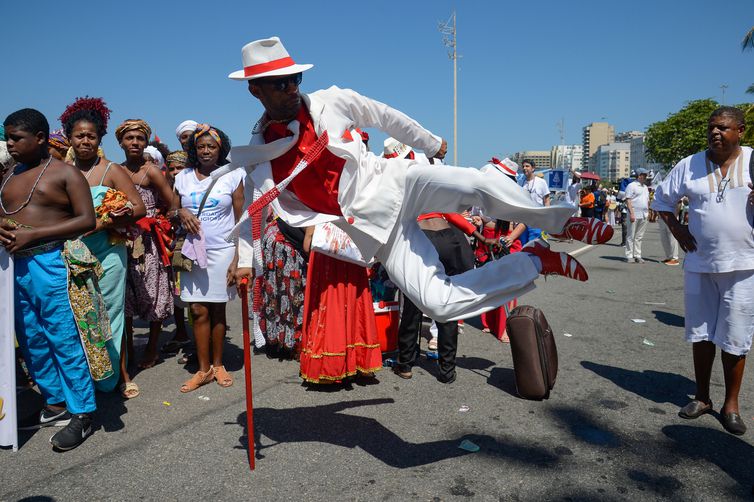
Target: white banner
[8,431]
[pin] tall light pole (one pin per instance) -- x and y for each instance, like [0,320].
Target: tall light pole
[561,129]
[448,31]
[722,88]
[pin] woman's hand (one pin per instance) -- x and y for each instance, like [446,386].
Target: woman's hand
[189,221]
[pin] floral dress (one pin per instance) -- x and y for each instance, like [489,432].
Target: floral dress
[149,293]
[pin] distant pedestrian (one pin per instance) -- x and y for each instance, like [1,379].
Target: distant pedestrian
[637,205]
[539,193]
[587,203]
[669,243]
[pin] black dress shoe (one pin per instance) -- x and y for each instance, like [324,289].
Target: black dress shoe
[733,423]
[695,409]
[447,378]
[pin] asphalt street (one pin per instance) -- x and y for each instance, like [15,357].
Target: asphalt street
[609,431]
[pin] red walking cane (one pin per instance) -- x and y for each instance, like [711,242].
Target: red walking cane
[244,287]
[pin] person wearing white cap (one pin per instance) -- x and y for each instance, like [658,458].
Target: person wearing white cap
[184,131]
[637,203]
[310,175]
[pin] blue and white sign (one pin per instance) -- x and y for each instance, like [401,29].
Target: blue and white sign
[557,180]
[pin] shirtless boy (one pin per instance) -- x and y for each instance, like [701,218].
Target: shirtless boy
[43,202]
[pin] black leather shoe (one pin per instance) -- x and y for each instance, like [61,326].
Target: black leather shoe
[695,409]
[402,372]
[733,423]
[447,379]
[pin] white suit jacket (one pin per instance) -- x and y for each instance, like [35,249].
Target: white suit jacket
[371,188]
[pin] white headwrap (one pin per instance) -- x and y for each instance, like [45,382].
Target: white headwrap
[186,125]
[155,154]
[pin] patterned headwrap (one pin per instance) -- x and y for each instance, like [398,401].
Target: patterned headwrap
[203,129]
[58,140]
[178,157]
[133,125]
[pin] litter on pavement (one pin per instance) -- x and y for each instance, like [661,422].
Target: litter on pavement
[166,403]
[638,321]
[468,446]
[648,343]
[464,408]
[567,334]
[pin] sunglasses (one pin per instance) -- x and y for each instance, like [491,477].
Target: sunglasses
[281,84]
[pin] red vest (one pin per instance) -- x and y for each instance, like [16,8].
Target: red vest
[317,185]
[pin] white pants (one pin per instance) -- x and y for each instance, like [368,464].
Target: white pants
[634,235]
[412,261]
[669,244]
[719,309]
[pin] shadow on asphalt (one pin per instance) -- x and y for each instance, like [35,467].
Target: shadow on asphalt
[657,386]
[585,428]
[327,424]
[504,379]
[669,318]
[716,447]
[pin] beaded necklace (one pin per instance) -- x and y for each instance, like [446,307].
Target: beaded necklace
[28,199]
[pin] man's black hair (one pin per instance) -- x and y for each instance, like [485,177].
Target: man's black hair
[193,160]
[29,120]
[91,116]
[530,162]
[730,111]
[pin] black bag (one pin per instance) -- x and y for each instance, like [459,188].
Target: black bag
[535,356]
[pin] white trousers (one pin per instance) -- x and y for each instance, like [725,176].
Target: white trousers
[634,235]
[669,243]
[412,261]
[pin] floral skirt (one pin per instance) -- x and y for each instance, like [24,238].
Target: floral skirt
[283,286]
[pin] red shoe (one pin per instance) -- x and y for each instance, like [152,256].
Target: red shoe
[589,230]
[556,263]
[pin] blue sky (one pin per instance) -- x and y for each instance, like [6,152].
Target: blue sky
[524,65]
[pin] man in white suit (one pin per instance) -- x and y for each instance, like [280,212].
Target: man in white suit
[376,201]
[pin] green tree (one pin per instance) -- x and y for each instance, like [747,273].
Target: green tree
[683,133]
[748,43]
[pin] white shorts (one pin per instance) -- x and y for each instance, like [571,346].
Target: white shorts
[720,309]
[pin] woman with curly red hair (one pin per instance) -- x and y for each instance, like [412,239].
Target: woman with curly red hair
[117,204]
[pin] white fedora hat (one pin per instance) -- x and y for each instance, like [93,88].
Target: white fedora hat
[266,58]
[394,149]
[505,166]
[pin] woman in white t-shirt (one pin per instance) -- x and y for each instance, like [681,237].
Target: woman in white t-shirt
[207,287]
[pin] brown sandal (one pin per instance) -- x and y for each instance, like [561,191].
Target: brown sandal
[223,377]
[197,380]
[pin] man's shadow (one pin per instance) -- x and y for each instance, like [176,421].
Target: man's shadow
[656,386]
[328,424]
[731,454]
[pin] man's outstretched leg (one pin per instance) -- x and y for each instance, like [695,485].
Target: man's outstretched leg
[414,266]
[413,263]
